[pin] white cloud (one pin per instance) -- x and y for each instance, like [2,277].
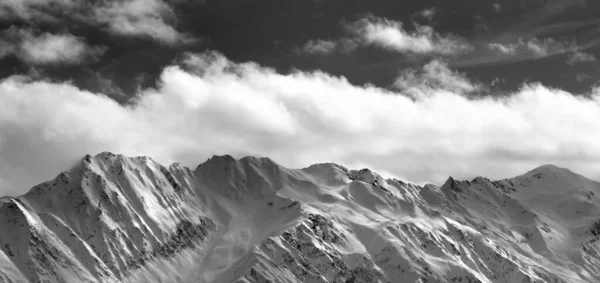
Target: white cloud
[503,48]
[218,107]
[151,18]
[392,36]
[435,76]
[533,47]
[580,57]
[319,46]
[140,18]
[47,48]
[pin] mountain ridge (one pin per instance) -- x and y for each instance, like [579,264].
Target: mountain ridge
[112,218]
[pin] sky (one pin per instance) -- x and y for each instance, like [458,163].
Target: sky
[417,91]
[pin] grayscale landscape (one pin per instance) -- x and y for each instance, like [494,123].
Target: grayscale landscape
[292,141]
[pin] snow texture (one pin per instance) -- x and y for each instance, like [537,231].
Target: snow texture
[113,218]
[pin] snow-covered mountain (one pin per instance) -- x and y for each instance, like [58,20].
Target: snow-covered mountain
[119,219]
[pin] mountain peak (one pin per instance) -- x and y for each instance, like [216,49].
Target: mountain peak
[365,175]
[219,159]
[548,170]
[101,157]
[106,154]
[452,184]
[111,159]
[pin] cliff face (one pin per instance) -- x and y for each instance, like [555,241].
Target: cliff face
[117,219]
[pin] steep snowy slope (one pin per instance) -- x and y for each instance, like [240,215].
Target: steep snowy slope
[100,221]
[118,219]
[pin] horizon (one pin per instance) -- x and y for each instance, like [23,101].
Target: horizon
[386,177]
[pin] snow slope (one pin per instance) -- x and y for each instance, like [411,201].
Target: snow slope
[129,219]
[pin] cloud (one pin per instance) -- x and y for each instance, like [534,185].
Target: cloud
[209,105]
[580,57]
[427,13]
[47,48]
[319,46]
[497,7]
[548,46]
[538,48]
[434,76]
[325,47]
[521,49]
[150,18]
[508,48]
[35,10]
[582,77]
[140,18]
[392,36]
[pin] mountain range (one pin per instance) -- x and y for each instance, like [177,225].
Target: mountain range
[112,218]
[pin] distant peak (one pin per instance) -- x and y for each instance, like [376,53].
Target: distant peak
[548,169]
[228,159]
[105,154]
[218,159]
[257,160]
[221,159]
[553,173]
[480,179]
[450,181]
[452,184]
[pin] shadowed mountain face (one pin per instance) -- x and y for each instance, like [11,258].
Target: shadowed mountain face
[119,219]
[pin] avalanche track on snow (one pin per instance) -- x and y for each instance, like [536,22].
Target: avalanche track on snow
[113,218]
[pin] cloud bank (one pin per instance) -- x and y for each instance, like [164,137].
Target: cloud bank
[209,105]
